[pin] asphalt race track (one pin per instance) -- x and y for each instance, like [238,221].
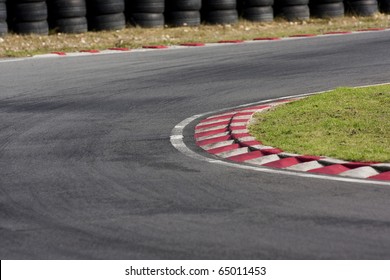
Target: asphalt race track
[87,170]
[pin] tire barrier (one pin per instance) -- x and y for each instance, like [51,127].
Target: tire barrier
[106,14]
[182,12]
[3,18]
[78,16]
[68,16]
[257,10]
[384,6]
[219,11]
[363,8]
[28,16]
[145,13]
[326,8]
[292,10]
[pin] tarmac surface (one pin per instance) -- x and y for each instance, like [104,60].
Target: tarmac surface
[87,170]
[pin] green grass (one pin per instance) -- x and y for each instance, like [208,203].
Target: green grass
[347,123]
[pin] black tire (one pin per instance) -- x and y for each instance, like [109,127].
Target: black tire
[384,6]
[316,2]
[3,28]
[36,11]
[147,20]
[25,1]
[3,12]
[103,7]
[328,10]
[71,25]
[220,17]
[145,6]
[67,8]
[362,8]
[259,14]
[284,3]
[107,22]
[362,2]
[217,5]
[182,18]
[257,3]
[183,5]
[385,9]
[292,13]
[34,27]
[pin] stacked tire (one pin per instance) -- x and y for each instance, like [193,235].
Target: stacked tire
[219,11]
[106,14]
[363,8]
[384,6]
[145,13]
[28,17]
[183,12]
[293,10]
[326,8]
[257,10]
[68,16]
[3,18]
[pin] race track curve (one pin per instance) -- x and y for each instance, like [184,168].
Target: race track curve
[87,170]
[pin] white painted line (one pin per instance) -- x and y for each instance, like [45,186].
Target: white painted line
[114,51]
[262,147]
[360,172]
[251,110]
[206,129]
[217,145]
[176,137]
[239,131]
[246,139]
[305,166]
[212,136]
[238,124]
[234,152]
[263,160]
[49,55]
[245,117]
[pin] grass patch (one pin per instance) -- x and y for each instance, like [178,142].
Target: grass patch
[350,124]
[17,45]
